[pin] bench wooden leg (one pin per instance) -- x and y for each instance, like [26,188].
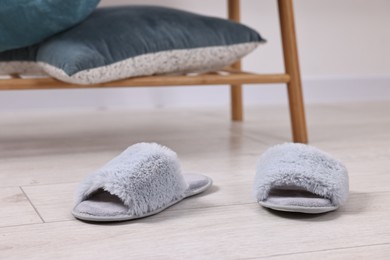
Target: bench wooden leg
[236,90]
[291,62]
[236,103]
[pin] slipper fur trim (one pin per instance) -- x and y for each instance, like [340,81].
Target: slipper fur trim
[146,177]
[304,166]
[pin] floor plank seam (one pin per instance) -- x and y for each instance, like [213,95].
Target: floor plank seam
[22,225]
[154,217]
[32,205]
[266,137]
[216,206]
[316,251]
[61,221]
[47,184]
[253,139]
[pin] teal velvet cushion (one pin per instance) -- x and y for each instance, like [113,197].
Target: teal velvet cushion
[26,22]
[127,41]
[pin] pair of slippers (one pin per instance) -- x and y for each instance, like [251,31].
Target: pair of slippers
[146,179]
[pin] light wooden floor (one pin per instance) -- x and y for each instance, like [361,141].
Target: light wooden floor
[44,155]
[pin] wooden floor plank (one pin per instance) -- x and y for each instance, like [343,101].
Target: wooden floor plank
[48,153]
[381,251]
[15,208]
[228,232]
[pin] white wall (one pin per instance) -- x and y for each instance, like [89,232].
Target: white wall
[344,49]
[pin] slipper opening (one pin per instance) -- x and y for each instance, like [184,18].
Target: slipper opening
[295,196]
[102,203]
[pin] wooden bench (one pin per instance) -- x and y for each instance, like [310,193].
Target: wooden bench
[232,76]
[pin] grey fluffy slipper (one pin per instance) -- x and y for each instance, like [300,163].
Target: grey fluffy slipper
[143,180]
[300,178]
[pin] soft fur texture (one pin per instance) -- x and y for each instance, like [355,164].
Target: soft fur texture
[146,176]
[299,165]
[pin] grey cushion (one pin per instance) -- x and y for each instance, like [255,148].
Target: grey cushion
[120,42]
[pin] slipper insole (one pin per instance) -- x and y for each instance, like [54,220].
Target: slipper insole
[103,204]
[296,197]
